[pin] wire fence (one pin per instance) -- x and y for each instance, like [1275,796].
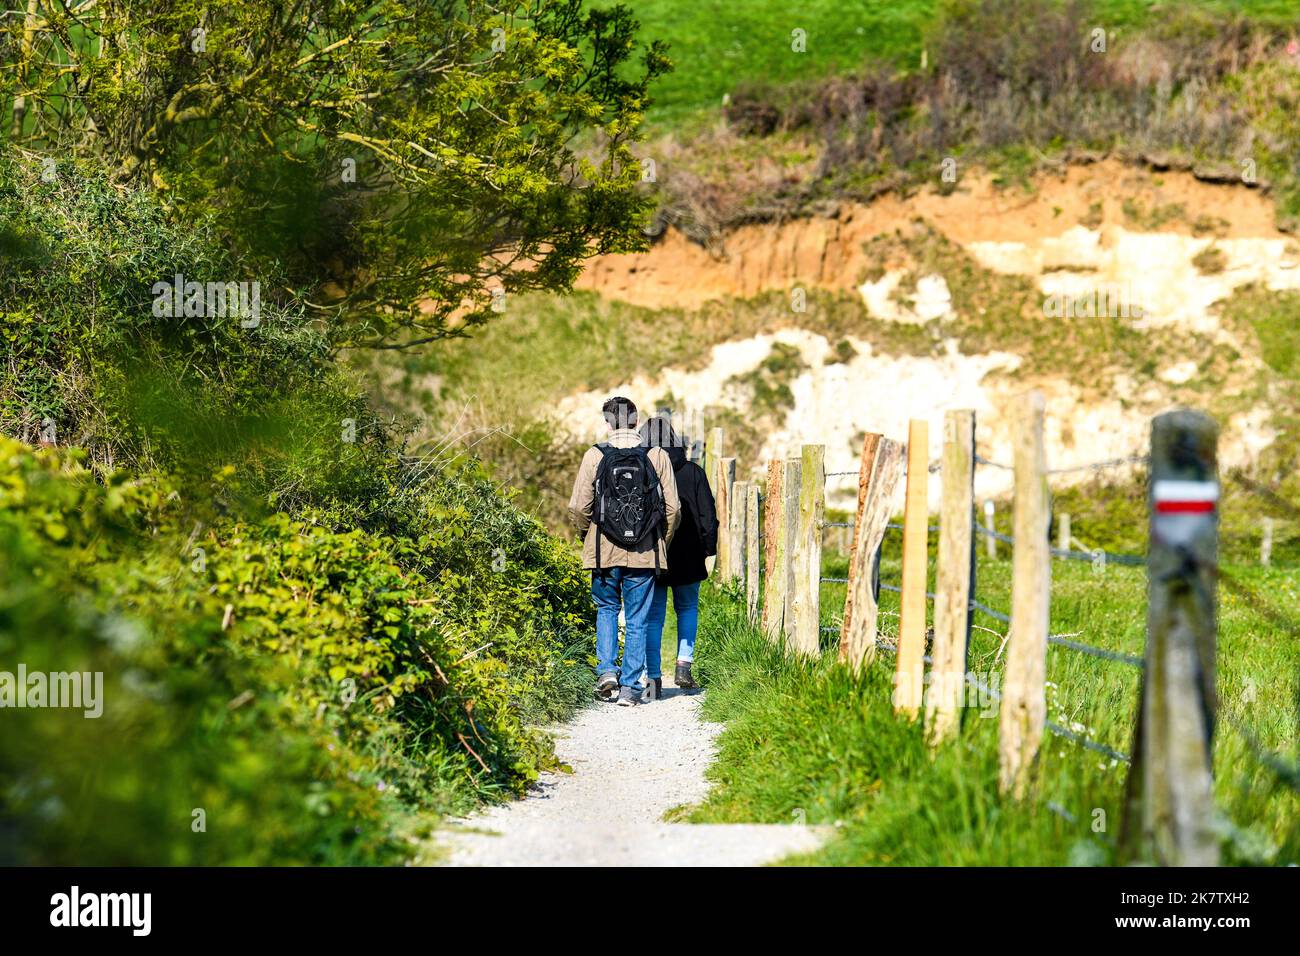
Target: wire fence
[1286,769]
[1095,557]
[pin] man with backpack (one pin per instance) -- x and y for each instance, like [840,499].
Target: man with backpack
[625,504]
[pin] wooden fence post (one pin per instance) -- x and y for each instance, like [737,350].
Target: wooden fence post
[773,534]
[1169,805]
[713,474]
[990,542]
[722,501]
[955,579]
[788,547]
[695,432]
[808,550]
[696,435]
[1266,543]
[1024,703]
[1063,531]
[736,505]
[909,677]
[881,467]
[751,550]
[713,458]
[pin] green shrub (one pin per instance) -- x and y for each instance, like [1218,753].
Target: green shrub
[314,639]
[314,691]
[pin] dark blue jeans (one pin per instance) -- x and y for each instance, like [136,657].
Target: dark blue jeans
[633,589]
[686,602]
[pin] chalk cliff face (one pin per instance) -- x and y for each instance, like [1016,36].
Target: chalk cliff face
[1008,228]
[1158,250]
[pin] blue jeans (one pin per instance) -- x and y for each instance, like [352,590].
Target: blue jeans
[634,589]
[686,602]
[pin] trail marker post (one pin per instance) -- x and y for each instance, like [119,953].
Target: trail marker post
[909,675]
[878,477]
[955,579]
[1024,704]
[1169,806]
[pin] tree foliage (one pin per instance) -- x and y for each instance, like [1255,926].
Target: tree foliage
[405,161]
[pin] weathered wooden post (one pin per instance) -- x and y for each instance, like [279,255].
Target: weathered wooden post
[713,458]
[713,473]
[751,550]
[990,542]
[955,579]
[1266,543]
[722,501]
[736,528]
[773,533]
[695,429]
[909,676]
[808,550]
[881,467]
[1063,537]
[696,432]
[788,548]
[1169,804]
[1024,702]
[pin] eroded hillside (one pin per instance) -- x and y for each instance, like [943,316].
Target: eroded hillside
[1117,289]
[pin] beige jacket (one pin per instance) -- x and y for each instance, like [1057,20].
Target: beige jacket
[580,506]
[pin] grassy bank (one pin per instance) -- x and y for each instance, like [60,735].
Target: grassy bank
[714,45]
[1013,88]
[807,740]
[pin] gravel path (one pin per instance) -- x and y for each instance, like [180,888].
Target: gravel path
[629,766]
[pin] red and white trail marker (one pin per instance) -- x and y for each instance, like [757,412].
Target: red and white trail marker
[1185,497]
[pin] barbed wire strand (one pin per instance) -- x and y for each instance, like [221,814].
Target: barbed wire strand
[1110,557]
[1091,466]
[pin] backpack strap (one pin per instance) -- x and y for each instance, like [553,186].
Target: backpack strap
[660,535]
[605,449]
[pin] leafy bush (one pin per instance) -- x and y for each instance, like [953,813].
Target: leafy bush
[312,690]
[314,639]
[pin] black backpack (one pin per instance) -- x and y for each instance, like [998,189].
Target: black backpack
[628,505]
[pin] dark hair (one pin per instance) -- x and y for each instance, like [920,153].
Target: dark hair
[658,432]
[619,412]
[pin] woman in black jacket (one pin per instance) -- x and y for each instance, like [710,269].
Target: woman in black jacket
[696,539]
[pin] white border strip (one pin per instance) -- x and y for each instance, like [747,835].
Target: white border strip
[1173,490]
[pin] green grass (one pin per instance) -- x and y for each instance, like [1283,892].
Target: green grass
[808,740]
[717,46]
